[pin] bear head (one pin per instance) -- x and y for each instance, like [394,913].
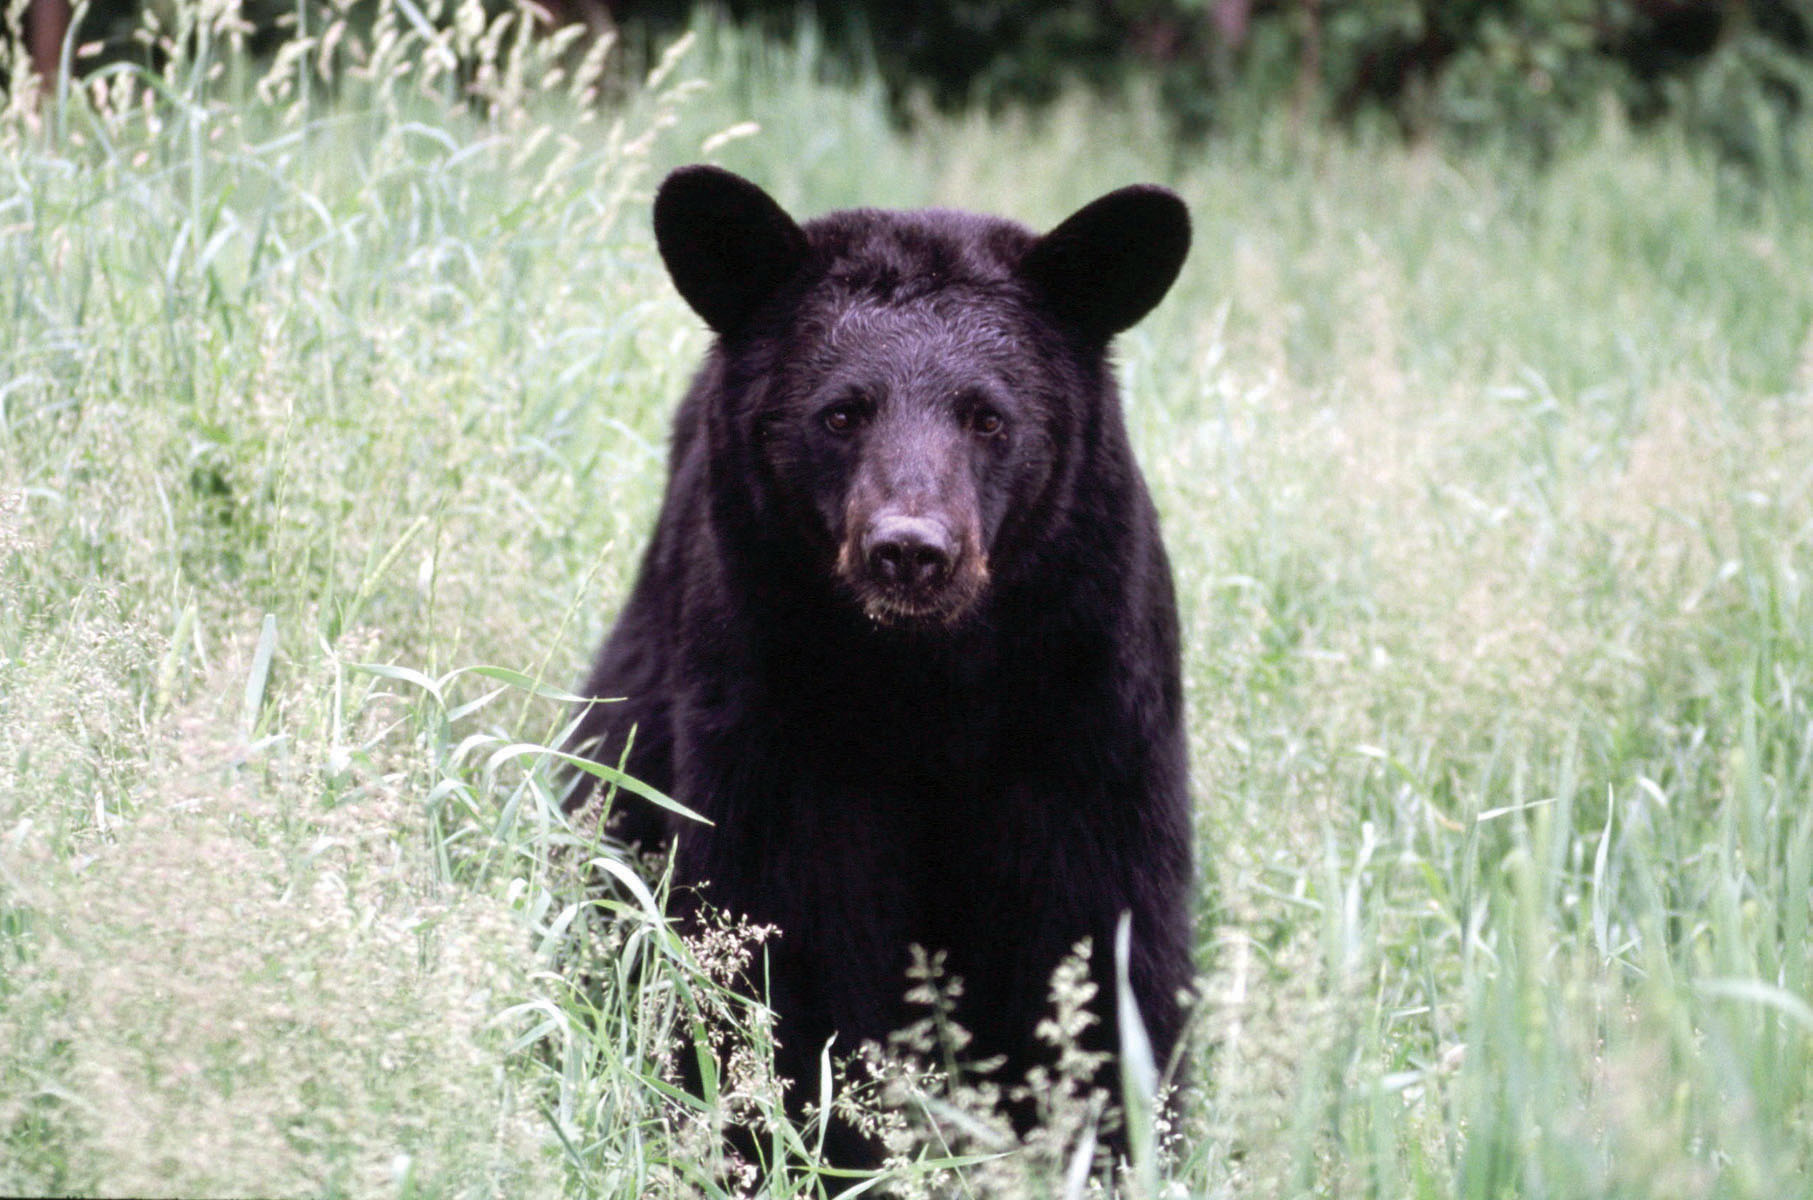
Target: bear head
[905,397]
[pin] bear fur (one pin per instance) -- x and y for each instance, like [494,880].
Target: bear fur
[906,632]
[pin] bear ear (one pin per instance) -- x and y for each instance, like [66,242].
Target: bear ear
[727,245]
[1112,260]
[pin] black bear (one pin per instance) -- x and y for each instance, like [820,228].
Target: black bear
[906,631]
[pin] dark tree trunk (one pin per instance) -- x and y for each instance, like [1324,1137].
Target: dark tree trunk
[47,22]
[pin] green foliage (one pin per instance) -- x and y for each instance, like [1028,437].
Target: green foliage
[325,379]
[1533,73]
[1529,72]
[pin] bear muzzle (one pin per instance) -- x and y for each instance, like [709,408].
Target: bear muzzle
[913,555]
[908,569]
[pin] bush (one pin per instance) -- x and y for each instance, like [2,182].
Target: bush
[1737,72]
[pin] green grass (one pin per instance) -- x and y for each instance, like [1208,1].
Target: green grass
[1489,492]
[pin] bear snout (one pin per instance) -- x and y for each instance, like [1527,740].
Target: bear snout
[912,570]
[914,554]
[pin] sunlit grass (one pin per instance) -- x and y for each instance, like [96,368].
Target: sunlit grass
[1488,492]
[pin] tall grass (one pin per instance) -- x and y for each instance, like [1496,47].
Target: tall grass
[332,403]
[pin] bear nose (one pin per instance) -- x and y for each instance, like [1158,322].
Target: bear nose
[911,552]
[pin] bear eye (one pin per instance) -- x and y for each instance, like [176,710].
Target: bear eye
[986,422]
[842,418]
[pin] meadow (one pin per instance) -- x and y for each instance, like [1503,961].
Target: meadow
[333,399]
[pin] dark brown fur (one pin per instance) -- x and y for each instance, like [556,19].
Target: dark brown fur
[905,632]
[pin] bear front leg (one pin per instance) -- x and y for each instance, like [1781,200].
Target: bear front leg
[828,870]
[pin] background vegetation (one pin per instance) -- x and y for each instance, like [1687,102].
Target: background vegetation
[1734,72]
[333,390]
